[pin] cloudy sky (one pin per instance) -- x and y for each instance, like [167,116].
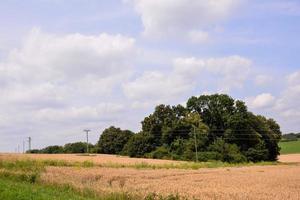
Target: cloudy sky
[68,65]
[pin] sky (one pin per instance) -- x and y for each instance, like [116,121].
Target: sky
[70,65]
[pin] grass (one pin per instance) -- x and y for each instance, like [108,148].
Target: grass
[290,147]
[21,190]
[23,179]
[19,180]
[39,165]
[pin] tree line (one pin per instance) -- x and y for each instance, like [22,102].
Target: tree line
[209,127]
[290,137]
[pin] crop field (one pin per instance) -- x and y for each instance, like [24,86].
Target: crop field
[112,177]
[290,147]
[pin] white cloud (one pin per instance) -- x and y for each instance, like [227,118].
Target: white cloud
[80,114]
[157,86]
[198,36]
[73,56]
[265,100]
[294,78]
[169,17]
[185,75]
[289,102]
[285,107]
[231,71]
[63,81]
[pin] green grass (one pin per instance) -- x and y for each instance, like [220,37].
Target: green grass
[290,147]
[17,190]
[22,190]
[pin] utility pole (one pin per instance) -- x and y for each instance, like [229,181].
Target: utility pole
[29,143]
[18,148]
[23,146]
[196,143]
[87,140]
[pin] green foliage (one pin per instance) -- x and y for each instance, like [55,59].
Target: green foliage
[159,153]
[113,140]
[53,150]
[290,137]
[226,152]
[77,147]
[217,126]
[139,145]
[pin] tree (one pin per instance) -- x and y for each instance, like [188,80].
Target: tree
[53,150]
[140,144]
[113,140]
[77,147]
[214,110]
[153,124]
[216,126]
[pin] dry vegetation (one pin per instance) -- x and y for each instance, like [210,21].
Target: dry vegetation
[254,182]
[97,159]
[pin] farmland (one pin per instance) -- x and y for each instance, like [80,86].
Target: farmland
[114,177]
[290,147]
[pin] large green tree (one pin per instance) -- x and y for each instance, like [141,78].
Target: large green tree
[113,140]
[140,144]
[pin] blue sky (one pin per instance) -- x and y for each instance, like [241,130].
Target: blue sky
[70,65]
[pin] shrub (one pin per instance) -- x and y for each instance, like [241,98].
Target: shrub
[209,156]
[228,152]
[160,153]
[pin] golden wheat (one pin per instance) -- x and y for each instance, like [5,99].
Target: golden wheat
[255,182]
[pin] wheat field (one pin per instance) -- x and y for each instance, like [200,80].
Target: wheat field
[251,182]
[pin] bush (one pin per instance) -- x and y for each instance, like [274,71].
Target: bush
[228,152]
[209,156]
[160,153]
[256,155]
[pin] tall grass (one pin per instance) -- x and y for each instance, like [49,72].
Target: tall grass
[19,180]
[39,165]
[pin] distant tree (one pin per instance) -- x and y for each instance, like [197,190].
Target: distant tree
[113,140]
[77,147]
[291,136]
[53,150]
[34,151]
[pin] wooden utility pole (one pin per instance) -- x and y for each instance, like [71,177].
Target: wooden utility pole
[195,137]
